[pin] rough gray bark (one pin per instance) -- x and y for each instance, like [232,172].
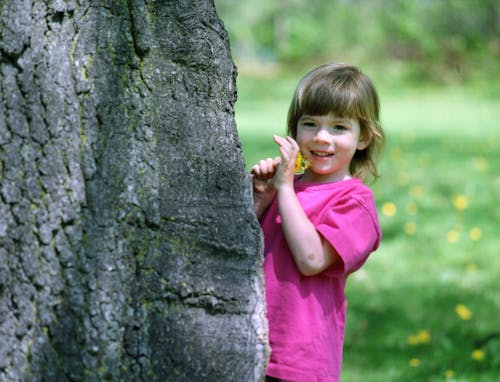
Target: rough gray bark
[128,246]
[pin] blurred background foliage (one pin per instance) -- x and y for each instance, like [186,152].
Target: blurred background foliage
[436,40]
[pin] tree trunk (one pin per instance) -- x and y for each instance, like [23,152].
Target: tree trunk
[128,246]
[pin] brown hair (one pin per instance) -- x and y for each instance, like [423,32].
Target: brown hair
[348,93]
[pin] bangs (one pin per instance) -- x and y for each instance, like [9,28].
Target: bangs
[321,98]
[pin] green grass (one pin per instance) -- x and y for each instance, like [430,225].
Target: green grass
[441,181]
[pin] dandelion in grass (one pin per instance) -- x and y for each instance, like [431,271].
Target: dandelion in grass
[417,192]
[396,155]
[424,337]
[389,209]
[471,268]
[411,208]
[460,202]
[481,164]
[412,340]
[452,236]
[463,312]
[410,228]
[449,374]
[477,355]
[415,362]
[475,234]
[421,338]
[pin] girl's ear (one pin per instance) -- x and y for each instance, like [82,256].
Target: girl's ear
[364,141]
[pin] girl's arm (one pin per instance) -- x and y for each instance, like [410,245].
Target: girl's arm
[311,252]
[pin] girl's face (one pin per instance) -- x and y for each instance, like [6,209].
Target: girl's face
[329,143]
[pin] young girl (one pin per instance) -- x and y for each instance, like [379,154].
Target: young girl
[319,226]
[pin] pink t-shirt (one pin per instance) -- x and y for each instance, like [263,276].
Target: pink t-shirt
[307,314]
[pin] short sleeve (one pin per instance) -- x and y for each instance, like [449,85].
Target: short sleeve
[351,227]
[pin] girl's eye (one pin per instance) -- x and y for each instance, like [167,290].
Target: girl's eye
[340,127]
[309,124]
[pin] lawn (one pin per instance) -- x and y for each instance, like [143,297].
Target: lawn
[426,305]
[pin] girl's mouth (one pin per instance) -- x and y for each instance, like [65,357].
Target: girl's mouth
[321,154]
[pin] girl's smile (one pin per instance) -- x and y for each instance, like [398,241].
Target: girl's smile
[321,154]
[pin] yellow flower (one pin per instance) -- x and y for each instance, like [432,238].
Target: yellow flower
[410,228]
[471,268]
[477,355]
[413,340]
[475,233]
[452,236]
[481,164]
[301,163]
[396,155]
[417,191]
[422,337]
[415,362]
[389,209]
[463,312]
[448,374]
[412,208]
[460,202]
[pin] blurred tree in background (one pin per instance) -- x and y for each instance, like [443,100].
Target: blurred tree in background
[445,40]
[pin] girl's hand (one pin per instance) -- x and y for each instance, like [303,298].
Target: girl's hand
[263,174]
[263,183]
[289,149]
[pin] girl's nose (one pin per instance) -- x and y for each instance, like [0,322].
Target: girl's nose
[322,136]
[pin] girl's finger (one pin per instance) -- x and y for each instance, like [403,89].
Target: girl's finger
[276,163]
[293,143]
[287,154]
[260,169]
[255,170]
[280,140]
[269,166]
